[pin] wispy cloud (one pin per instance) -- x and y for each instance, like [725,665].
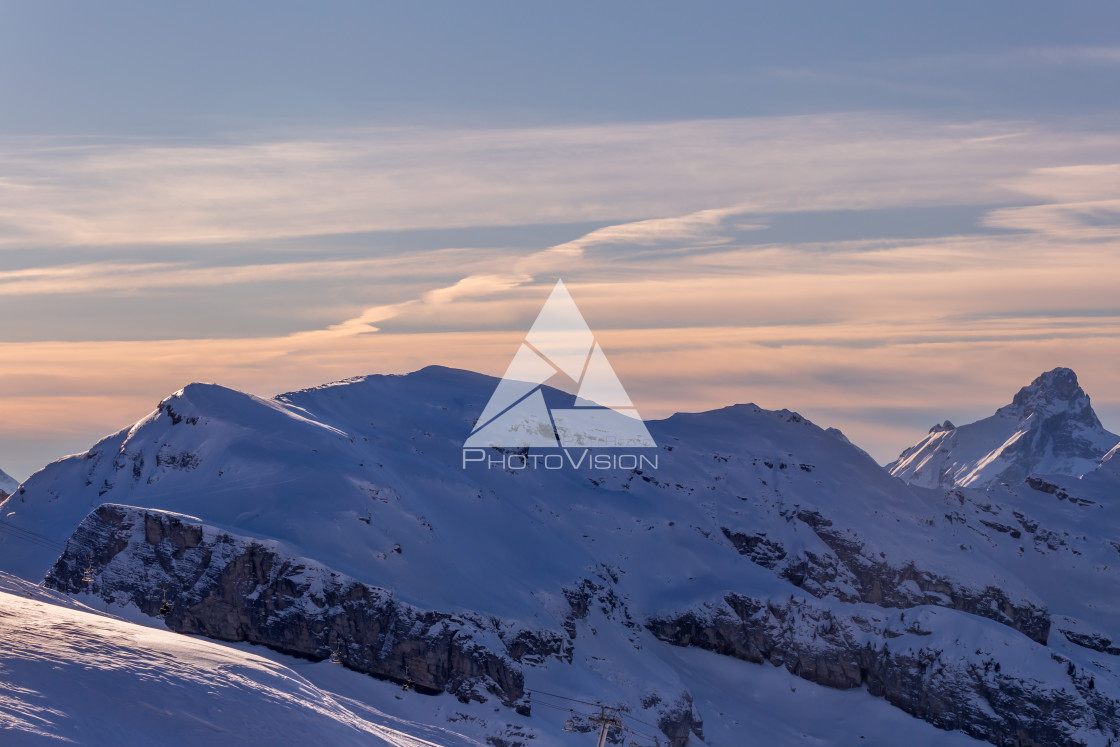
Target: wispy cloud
[691,316]
[350,181]
[132,278]
[1080,202]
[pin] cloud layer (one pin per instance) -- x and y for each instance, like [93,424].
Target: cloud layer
[58,193]
[694,302]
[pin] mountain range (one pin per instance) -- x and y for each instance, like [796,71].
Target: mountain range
[971,584]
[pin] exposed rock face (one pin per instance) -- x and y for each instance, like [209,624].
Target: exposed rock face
[851,573]
[236,589]
[961,681]
[1096,642]
[205,581]
[679,720]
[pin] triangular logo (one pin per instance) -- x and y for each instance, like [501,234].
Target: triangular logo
[560,342]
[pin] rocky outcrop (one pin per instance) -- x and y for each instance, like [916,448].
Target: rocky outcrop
[967,680]
[851,573]
[1092,641]
[678,720]
[204,581]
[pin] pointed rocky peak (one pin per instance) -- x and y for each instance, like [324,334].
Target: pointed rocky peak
[1058,383]
[1053,393]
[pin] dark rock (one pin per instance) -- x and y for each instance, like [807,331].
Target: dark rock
[757,547]
[849,646]
[1091,641]
[849,566]
[233,588]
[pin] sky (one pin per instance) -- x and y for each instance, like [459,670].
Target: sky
[880,215]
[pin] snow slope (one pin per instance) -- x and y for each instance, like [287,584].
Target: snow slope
[1049,428]
[64,668]
[748,704]
[1060,531]
[70,675]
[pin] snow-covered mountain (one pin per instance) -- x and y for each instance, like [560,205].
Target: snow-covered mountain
[1049,428]
[7,484]
[307,521]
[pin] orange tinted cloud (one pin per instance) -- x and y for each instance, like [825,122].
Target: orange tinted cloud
[856,334]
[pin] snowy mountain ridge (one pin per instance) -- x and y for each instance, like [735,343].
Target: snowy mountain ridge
[761,538]
[1048,428]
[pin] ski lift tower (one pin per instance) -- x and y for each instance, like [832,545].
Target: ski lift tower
[606,719]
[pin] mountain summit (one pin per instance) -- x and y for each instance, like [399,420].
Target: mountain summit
[1048,428]
[1053,393]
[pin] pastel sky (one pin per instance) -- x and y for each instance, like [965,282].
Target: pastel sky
[880,215]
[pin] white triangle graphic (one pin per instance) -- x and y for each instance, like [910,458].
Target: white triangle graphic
[525,424]
[560,334]
[600,385]
[526,372]
[560,341]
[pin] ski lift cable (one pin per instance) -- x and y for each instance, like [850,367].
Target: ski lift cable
[555,707]
[566,706]
[565,697]
[24,529]
[621,713]
[635,718]
[30,537]
[639,731]
[28,532]
[564,709]
[29,540]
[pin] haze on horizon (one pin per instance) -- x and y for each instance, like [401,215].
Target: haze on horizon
[880,216]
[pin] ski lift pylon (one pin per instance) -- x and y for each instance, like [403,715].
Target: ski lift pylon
[407,679]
